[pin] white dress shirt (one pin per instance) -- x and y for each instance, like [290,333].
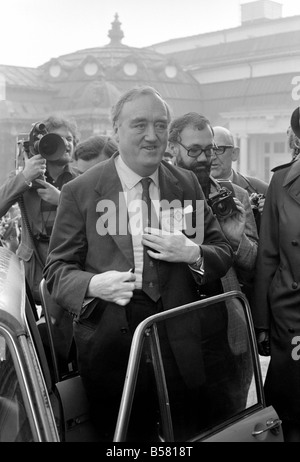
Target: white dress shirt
[133,196]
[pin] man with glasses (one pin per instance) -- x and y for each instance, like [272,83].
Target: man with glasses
[191,141]
[221,168]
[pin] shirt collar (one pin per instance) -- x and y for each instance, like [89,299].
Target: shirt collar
[67,174]
[230,177]
[129,177]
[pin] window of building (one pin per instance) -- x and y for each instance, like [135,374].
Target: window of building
[91,68]
[267,147]
[130,68]
[267,169]
[279,147]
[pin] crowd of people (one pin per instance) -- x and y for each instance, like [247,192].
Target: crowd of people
[101,285]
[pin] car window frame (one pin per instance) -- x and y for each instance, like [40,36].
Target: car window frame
[148,328]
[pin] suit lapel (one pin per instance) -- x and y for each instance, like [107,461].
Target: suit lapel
[170,189]
[239,180]
[109,190]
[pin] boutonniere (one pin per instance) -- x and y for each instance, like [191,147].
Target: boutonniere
[174,219]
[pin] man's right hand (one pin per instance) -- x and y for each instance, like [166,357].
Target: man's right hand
[34,166]
[263,343]
[113,286]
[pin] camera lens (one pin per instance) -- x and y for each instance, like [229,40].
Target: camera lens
[52,146]
[224,209]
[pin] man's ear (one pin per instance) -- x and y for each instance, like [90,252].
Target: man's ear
[116,135]
[173,148]
[235,154]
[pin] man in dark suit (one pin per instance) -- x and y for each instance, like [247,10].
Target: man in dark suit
[97,252]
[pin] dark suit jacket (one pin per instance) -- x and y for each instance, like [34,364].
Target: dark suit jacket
[251,184]
[77,252]
[277,279]
[277,288]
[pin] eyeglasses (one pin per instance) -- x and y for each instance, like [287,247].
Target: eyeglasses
[196,151]
[219,150]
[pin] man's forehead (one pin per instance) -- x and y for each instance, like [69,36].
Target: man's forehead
[221,137]
[195,135]
[143,106]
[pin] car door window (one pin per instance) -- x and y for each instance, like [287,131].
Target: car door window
[208,367]
[205,367]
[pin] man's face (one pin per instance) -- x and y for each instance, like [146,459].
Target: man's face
[192,137]
[222,164]
[142,133]
[67,157]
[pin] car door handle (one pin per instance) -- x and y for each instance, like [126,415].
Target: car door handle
[272,424]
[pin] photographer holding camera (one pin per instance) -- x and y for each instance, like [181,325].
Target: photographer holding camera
[225,155]
[46,156]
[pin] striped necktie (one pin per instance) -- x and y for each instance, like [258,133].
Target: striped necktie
[150,283]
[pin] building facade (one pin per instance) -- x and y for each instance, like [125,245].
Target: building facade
[83,86]
[250,81]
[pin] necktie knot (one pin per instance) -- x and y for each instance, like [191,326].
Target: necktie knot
[146,180]
[146,184]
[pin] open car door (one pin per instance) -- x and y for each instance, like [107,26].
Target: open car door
[203,360]
[214,392]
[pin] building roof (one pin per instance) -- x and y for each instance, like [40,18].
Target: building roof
[91,80]
[26,77]
[253,94]
[242,50]
[257,28]
[95,77]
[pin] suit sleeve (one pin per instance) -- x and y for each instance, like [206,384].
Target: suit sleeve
[217,252]
[64,272]
[268,257]
[11,190]
[246,254]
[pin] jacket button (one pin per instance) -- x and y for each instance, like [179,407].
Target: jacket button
[294,243]
[294,285]
[124,330]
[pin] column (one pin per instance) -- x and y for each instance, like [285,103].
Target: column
[243,159]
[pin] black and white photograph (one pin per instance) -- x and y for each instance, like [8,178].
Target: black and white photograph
[150,223]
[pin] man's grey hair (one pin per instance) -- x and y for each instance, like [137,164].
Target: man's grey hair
[130,95]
